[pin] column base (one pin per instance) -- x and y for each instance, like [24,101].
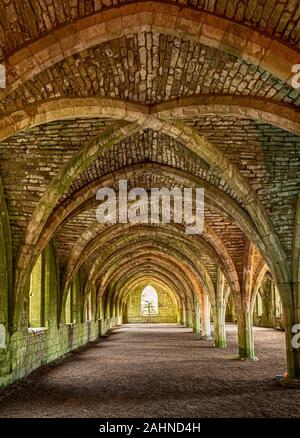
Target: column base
[288,382]
[203,338]
[244,359]
[220,345]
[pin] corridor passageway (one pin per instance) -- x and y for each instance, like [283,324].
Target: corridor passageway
[149,174]
[158,370]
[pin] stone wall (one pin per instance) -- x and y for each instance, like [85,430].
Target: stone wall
[32,348]
[167,311]
[28,348]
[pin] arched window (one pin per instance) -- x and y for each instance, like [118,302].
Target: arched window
[149,301]
[35,295]
[69,319]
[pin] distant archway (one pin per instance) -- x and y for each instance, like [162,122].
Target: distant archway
[149,301]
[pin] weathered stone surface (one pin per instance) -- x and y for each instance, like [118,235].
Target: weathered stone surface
[25,21]
[163,96]
[150,68]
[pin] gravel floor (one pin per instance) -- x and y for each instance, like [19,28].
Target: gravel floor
[158,371]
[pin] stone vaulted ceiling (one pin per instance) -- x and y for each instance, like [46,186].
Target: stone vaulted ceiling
[25,21]
[178,94]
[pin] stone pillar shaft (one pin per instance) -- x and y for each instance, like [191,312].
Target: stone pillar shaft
[219,326]
[205,318]
[245,335]
[197,326]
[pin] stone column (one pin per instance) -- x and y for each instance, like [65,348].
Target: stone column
[267,304]
[119,312]
[6,269]
[197,327]
[219,311]
[245,334]
[244,306]
[219,325]
[293,353]
[181,312]
[230,314]
[292,338]
[188,318]
[183,315]
[205,318]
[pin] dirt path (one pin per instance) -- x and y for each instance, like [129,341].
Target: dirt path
[157,371]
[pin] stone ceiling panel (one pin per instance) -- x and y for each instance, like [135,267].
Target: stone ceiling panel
[150,68]
[268,157]
[30,160]
[24,21]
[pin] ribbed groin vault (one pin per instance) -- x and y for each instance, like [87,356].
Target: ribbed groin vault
[162,94]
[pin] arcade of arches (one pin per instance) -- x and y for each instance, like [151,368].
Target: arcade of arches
[163,94]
